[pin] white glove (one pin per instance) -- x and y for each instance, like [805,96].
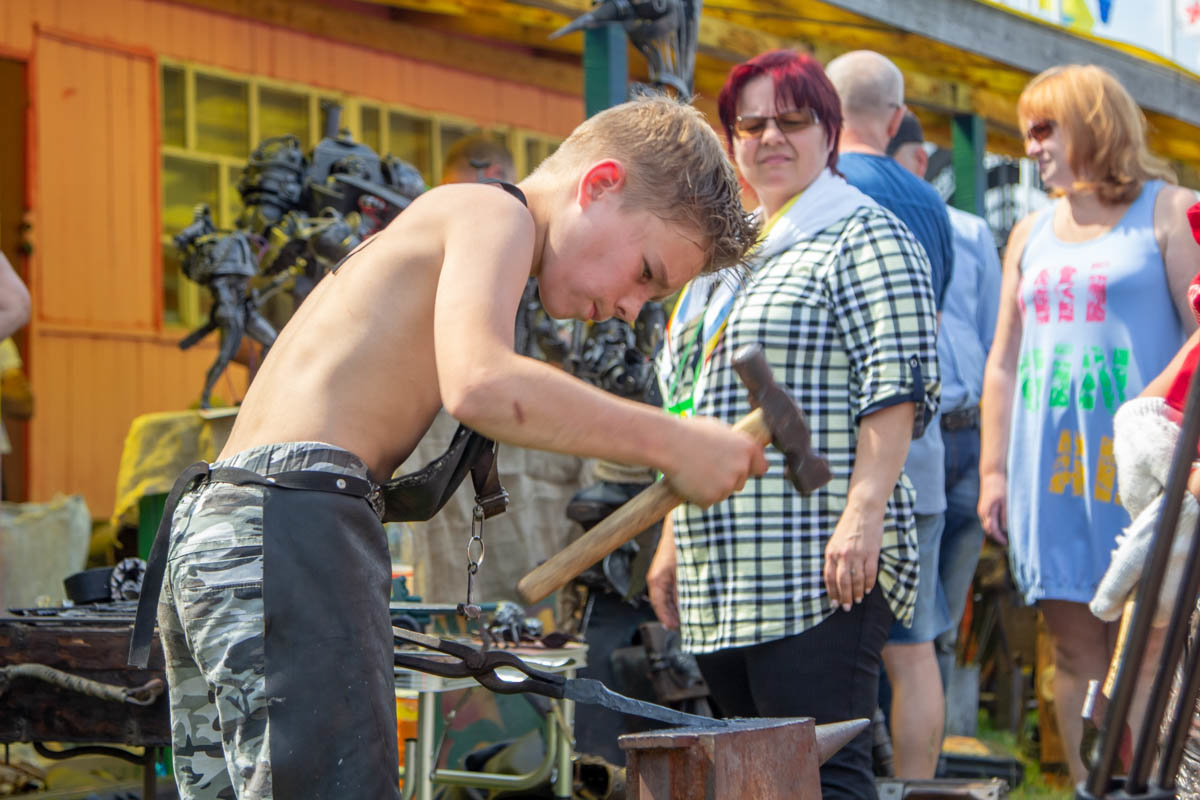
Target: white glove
[1129,559]
[1145,430]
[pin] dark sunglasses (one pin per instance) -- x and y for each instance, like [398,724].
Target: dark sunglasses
[1040,131]
[787,122]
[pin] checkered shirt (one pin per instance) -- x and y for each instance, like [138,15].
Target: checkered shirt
[843,317]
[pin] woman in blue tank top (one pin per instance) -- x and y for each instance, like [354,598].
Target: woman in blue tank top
[1093,306]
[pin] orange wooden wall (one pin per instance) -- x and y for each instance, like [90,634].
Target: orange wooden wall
[98,352]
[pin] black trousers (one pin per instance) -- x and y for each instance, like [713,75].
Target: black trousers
[830,673]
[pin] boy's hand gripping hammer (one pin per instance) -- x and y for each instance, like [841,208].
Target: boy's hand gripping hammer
[776,418]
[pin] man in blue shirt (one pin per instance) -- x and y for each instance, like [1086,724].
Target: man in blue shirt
[968,324]
[871,89]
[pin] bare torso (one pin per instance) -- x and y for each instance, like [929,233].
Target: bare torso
[355,365]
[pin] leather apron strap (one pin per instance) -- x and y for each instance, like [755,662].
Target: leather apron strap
[156,565]
[201,472]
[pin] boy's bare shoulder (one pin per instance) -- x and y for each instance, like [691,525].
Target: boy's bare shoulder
[468,204]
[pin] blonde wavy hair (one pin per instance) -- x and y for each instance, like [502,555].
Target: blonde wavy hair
[1103,128]
[675,169]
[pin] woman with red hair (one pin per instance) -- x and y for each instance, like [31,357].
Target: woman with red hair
[1093,305]
[786,600]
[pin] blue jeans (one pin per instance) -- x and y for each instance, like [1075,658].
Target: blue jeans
[962,538]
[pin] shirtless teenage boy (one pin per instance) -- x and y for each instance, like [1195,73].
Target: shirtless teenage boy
[273,613]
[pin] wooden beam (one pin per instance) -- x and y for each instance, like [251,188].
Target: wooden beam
[1032,46]
[420,43]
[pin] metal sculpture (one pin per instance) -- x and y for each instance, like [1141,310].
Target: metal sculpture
[223,262]
[665,32]
[301,215]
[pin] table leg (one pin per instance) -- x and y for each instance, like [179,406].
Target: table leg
[149,774]
[422,768]
[564,780]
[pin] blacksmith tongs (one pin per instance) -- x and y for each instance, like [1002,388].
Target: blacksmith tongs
[472,662]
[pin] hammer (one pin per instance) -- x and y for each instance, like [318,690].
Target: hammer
[776,418]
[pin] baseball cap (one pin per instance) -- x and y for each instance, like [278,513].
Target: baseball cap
[909,131]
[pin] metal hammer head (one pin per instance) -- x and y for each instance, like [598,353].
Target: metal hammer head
[806,468]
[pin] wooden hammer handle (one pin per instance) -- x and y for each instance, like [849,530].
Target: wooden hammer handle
[648,507]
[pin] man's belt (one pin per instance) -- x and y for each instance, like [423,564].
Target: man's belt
[961,419]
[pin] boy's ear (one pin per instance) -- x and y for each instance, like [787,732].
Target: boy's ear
[600,178]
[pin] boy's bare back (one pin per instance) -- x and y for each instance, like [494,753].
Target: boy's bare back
[355,367]
[422,315]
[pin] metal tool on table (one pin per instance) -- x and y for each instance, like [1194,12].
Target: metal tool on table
[1139,784]
[776,418]
[466,661]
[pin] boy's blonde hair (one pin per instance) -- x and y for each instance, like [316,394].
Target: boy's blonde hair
[675,169]
[1103,128]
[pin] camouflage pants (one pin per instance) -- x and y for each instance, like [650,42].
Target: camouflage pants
[211,623]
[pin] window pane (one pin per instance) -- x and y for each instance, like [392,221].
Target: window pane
[174,122]
[222,116]
[410,138]
[368,126]
[280,113]
[186,183]
[535,151]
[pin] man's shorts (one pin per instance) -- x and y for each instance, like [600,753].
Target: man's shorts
[931,615]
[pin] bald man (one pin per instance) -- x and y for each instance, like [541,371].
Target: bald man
[871,89]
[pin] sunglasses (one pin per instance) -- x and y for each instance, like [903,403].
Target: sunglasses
[787,122]
[1040,131]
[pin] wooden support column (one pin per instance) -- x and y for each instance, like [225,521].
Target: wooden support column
[970,177]
[605,68]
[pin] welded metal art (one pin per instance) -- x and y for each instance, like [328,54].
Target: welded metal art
[301,215]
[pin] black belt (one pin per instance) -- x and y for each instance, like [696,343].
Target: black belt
[200,473]
[961,419]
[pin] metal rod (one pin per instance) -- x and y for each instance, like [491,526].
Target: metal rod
[499,782]
[422,772]
[1172,652]
[1145,603]
[1172,748]
[562,731]
[406,772]
[88,750]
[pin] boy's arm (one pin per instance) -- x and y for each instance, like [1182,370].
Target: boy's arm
[526,402]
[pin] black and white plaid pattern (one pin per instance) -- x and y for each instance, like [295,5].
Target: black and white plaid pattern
[839,316]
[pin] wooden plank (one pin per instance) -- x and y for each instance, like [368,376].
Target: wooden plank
[93,271]
[16,26]
[34,710]
[1031,46]
[409,41]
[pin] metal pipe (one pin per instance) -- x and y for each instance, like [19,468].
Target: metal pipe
[423,763]
[564,727]
[487,780]
[1185,703]
[1139,633]
[1172,652]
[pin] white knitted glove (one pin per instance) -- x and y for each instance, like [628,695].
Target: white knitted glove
[1145,430]
[1129,559]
